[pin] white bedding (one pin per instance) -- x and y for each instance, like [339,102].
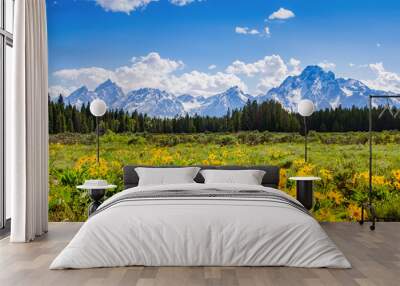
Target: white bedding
[200,231]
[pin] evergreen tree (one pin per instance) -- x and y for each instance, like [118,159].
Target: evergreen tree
[266,116]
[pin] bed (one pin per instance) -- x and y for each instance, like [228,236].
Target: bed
[198,224]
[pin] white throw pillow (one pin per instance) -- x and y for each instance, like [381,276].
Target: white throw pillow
[166,176]
[248,177]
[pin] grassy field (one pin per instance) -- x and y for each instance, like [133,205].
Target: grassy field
[340,159]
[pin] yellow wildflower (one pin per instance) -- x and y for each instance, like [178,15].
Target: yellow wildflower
[89,164]
[298,163]
[116,165]
[167,159]
[212,156]
[396,175]
[282,178]
[160,157]
[354,212]
[326,175]
[319,196]
[325,215]
[378,180]
[363,177]
[292,192]
[306,170]
[239,153]
[212,160]
[335,196]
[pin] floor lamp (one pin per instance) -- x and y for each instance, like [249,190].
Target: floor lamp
[96,188]
[305,108]
[98,108]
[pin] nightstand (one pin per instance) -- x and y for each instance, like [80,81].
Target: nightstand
[96,193]
[304,190]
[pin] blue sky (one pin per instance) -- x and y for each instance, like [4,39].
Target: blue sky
[203,47]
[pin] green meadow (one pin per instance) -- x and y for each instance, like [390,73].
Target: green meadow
[340,159]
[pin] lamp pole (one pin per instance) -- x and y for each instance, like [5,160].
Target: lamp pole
[98,108]
[98,140]
[305,138]
[306,108]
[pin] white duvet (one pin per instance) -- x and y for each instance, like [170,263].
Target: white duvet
[202,232]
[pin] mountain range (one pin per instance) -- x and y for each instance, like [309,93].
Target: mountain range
[314,83]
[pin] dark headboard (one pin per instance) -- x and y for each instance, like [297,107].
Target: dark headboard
[271,177]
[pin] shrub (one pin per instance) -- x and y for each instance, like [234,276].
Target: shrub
[227,140]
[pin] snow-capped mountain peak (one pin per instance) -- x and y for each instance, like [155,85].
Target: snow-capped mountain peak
[108,83]
[312,73]
[190,102]
[110,92]
[322,87]
[235,92]
[219,104]
[80,96]
[153,102]
[82,89]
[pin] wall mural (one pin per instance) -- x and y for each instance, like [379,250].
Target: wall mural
[214,82]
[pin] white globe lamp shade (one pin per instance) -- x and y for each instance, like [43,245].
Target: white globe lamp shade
[98,107]
[306,107]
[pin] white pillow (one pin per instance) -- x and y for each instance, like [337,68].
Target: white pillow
[248,177]
[166,176]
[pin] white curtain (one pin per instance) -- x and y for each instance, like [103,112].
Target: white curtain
[27,124]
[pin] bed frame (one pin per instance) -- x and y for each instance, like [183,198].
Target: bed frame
[270,179]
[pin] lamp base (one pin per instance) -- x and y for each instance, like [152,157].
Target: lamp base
[96,195]
[304,193]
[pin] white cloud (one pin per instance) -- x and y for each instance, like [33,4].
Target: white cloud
[128,6]
[241,30]
[56,90]
[125,6]
[254,32]
[351,65]
[385,80]
[295,65]
[91,77]
[200,83]
[269,71]
[154,71]
[246,31]
[181,2]
[264,65]
[150,71]
[327,65]
[281,14]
